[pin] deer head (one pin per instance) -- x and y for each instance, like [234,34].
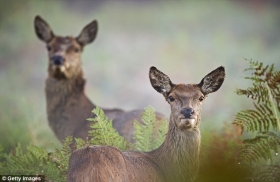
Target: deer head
[186,99]
[64,52]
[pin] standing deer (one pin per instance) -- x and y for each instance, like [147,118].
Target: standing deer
[175,160]
[67,105]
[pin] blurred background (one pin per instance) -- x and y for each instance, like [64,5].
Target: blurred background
[184,39]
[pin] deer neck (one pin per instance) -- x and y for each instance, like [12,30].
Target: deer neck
[65,87]
[178,156]
[59,92]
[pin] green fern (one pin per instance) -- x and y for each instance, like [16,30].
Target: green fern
[54,165]
[1,153]
[34,161]
[150,135]
[80,143]
[259,119]
[263,120]
[103,132]
[266,93]
[269,174]
[260,147]
[61,156]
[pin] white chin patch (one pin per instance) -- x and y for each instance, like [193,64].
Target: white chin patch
[188,122]
[60,68]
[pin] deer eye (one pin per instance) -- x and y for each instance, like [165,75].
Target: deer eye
[201,98]
[49,48]
[77,49]
[171,98]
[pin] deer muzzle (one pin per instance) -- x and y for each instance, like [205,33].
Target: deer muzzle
[188,122]
[187,113]
[57,60]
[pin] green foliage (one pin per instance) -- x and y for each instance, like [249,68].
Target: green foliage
[266,95]
[103,132]
[150,135]
[54,165]
[34,160]
[269,174]
[263,120]
[61,156]
[1,152]
[260,147]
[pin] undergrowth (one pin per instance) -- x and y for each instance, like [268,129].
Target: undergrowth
[54,165]
[260,154]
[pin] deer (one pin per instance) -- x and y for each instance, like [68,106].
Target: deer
[68,107]
[176,160]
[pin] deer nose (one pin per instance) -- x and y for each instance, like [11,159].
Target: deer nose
[187,113]
[57,60]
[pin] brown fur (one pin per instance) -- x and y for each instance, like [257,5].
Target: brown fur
[67,105]
[175,160]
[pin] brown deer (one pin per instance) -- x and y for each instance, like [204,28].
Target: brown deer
[67,105]
[175,160]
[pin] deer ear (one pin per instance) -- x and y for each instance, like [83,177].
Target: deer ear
[160,81]
[43,30]
[88,34]
[213,81]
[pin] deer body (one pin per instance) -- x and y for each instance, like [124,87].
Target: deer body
[175,160]
[67,105]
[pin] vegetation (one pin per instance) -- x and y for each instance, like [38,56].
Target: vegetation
[54,165]
[150,135]
[260,154]
[103,133]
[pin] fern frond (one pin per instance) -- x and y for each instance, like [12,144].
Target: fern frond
[257,92]
[34,160]
[260,119]
[1,153]
[151,134]
[274,80]
[260,72]
[61,156]
[270,174]
[261,75]
[80,143]
[264,118]
[260,147]
[103,132]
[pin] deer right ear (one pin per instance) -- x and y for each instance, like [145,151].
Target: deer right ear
[43,30]
[160,81]
[88,34]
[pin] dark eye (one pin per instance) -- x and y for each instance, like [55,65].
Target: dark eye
[201,98]
[171,98]
[77,50]
[49,48]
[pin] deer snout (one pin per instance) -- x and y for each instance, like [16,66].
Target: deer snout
[57,60]
[187,113]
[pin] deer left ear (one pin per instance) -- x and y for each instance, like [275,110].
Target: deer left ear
[213,81]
